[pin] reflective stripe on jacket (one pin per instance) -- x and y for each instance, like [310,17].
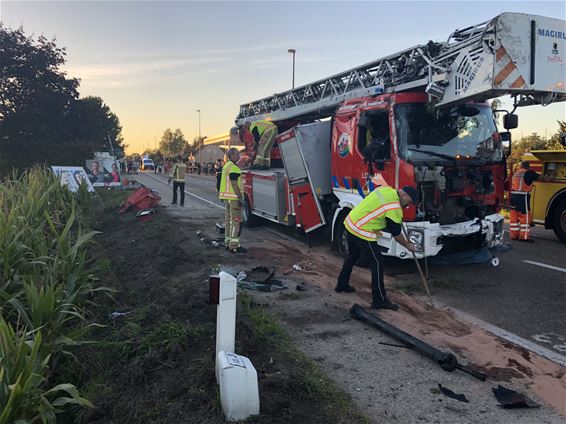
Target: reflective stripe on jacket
[262,126]
[226,189]
[518,184]
[179,172]
[366,219]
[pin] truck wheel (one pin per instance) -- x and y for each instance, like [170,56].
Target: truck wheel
[342,243]
[248,218]
[559,221]
[342,238]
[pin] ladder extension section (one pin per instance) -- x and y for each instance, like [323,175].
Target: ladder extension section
[449,71]
[406,70]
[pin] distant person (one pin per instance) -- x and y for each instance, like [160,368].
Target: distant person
[264,133]
[382,209]
[97,176]
[232,192]
[178,175]
[520,199]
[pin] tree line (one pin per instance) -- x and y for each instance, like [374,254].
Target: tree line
[42,118]
[171,145]
[535,142]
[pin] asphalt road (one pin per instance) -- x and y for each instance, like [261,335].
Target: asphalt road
[524,298]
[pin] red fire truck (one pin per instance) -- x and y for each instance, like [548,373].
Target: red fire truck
[418,117]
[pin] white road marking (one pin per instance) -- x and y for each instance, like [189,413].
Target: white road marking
[555,268]
[190,194]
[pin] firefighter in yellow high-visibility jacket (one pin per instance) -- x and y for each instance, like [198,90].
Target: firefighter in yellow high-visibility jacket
[264,133]
[382,209]
[231,192]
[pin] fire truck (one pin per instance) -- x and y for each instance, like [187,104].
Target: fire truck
[418,117]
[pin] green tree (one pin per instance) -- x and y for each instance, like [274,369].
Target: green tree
[172,143]
[154,154]
[36,98]
[42,119]
[91,124]
[535,142]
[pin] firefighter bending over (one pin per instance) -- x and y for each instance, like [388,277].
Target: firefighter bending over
[520,217]
[264,133]
[232,192]
[382,209]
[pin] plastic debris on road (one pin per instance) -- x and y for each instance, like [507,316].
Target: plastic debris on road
[301,286]
[510,399]
[260,279]
[451,394]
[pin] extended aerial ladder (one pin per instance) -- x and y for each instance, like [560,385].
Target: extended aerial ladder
[517,54]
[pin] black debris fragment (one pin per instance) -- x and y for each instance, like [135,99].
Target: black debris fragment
[510,399]
[451,394]
[394,345]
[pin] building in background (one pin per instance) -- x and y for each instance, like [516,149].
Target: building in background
[215,147]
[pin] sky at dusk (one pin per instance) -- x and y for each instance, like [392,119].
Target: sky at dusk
[155,63]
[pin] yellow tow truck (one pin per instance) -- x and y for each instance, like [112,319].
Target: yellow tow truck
[548,196]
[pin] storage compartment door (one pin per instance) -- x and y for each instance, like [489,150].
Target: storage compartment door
[307,209]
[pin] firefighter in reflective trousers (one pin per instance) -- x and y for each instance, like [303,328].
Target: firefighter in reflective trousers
[520,217]
[264,133]
[231,192]
[382,209]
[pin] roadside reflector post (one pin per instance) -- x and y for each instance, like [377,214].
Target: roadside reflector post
[225,316]
[213,289]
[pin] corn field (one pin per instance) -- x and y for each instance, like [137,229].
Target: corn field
[46,281]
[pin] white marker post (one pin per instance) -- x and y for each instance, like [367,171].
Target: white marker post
[235,374]
[226,316]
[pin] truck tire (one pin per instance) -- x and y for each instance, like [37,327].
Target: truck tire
[249,220]
[342,242]
[341,236]
[559,220]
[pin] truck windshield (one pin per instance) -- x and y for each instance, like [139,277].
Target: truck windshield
[462,132]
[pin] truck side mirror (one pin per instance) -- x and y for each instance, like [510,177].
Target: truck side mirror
[563,139]
[510,121]
[505,138]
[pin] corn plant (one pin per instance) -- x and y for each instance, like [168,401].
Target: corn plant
[46,280]
[23,396]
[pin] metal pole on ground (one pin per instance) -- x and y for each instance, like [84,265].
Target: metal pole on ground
[423,278]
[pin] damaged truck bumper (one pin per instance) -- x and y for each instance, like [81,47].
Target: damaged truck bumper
[432,239]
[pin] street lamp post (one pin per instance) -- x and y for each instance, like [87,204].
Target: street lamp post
[293,51]
[199,138]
